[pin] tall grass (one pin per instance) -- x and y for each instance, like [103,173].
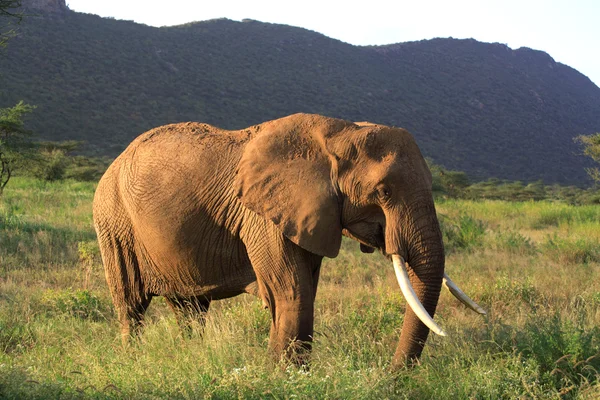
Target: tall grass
[533,266]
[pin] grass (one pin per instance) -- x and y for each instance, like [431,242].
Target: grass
[534,266]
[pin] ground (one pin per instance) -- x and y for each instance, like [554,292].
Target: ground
[535,266]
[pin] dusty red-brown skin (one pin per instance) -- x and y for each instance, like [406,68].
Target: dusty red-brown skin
[195,213]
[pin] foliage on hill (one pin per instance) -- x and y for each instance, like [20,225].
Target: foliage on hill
[456,185]
[475,107]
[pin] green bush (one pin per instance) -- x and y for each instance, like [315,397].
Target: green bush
[567,353]
[53,165]
[553,217]
[514,242]
[462,234]
[579,251]
[511,290]
[76,303]
[447,183]
[54,161]
[87,169]
[89,252]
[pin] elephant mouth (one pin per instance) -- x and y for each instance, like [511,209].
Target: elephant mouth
[368,243]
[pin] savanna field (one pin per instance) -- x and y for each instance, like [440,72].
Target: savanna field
[534,266]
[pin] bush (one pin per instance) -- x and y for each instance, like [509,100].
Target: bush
[447,183]
[515,243]
[511,290]
[52,166]
[495,189]
[580,251]
[76,303]
[55,161]
[567,352]
[552,217]
[462,234]
[87,169]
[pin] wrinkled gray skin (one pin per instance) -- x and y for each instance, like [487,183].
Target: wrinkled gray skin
[195,213]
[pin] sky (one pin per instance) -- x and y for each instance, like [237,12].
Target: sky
[568,30]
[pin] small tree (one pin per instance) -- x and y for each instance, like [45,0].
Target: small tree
[447,182]
[15,141]
[591,148]
[53,159]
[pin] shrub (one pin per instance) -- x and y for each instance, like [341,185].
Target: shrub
[461,234]
[76,303]
[53,165]
[446,182]
[505,190]
[552,217]
[567,353]
[89,255]
[88,169]
[580,251]
[516,289]
[514,242]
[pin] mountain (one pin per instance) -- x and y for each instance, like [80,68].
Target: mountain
[477,107]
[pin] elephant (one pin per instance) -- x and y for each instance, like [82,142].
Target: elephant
[195,213]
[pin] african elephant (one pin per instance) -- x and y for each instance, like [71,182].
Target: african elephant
[195,213]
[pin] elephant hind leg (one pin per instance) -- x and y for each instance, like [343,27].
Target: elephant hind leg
[189,310]
[132,317]
[124,281]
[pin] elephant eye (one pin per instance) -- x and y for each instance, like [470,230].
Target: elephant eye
[384,192]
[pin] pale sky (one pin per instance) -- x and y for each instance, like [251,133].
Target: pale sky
[568,30]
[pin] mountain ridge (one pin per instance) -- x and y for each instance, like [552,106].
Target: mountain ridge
[479,107]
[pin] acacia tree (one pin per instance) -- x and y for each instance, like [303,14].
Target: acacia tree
[447,182]
[591,148]
[16,146]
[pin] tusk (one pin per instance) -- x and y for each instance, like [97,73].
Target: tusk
[411,297]
[460,295]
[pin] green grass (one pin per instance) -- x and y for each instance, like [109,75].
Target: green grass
[534,266]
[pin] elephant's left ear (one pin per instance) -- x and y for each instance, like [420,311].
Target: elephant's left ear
[285,176]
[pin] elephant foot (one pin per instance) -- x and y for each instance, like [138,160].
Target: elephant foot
[291,336]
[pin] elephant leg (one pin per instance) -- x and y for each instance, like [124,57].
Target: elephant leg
[315,280]
[189,310]
[291,331]
[123,277]
[132,317]
[286,282]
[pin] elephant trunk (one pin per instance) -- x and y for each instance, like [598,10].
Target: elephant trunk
[419,239]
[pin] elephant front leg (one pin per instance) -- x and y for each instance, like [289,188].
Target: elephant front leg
[292,331]
[286,276]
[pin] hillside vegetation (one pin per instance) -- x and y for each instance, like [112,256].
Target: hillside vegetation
[476,107]
[535,267]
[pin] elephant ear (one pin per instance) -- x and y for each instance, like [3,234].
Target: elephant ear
[285,175]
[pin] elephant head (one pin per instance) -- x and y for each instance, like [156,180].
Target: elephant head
[319,178]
